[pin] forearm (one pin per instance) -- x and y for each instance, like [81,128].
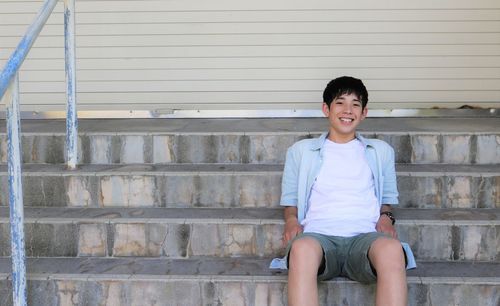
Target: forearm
[292,226]
[386,207]
[290,214]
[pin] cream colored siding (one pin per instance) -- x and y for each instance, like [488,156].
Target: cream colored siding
[193,54]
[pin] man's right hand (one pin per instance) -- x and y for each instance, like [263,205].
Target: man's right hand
[292,229]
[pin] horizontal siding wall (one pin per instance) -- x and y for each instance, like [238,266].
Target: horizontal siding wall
[193,54]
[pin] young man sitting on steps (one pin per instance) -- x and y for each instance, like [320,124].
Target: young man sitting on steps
[337,190]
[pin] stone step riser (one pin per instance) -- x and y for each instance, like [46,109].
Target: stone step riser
[61,292]
[230,189]
[435,241]
[240,148]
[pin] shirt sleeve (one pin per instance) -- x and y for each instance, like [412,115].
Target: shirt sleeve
[289,182]
[390,187]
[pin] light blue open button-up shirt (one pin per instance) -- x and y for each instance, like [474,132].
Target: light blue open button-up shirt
[305,158]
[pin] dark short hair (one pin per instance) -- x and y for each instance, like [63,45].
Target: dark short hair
[345,85]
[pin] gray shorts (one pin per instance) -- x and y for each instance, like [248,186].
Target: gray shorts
[344,256]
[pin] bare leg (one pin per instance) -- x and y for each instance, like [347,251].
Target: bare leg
[305,258]
[387,257]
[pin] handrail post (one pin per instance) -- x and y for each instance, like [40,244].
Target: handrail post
[16,194]
[70,64]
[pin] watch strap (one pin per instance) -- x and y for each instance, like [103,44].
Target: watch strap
[390,215]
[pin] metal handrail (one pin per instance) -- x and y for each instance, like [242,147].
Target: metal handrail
[9,94]
[24,46]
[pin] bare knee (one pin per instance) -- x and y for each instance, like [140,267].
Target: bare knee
[387,253]
[305,251]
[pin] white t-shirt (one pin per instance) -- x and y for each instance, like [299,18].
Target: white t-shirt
[343,201]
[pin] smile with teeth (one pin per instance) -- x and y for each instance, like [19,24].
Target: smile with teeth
[346,119]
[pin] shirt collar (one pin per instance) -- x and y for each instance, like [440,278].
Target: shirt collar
[318,143]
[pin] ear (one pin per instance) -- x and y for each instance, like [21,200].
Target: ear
[326,109]
[364,113]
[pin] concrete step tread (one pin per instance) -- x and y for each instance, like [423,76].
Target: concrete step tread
[260,125]
[175,169]
[234,215]
[250,268]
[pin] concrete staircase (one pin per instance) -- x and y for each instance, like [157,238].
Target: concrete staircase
[185,212]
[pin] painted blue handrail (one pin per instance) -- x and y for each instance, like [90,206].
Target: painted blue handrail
[24,46]
[9,93]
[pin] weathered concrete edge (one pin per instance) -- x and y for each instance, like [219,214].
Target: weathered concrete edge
[248,279]
[43,170]
[269,133]
[55,220]
[233,216]
[259,126]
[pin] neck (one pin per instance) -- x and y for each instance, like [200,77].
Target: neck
[341,138]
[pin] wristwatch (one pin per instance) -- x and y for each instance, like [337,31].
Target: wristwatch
[390,215]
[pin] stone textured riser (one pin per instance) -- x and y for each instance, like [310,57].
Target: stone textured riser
[232,189]
[232,238]
[245,148]
[203,292]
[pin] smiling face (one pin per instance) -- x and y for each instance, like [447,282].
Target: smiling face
[344,114]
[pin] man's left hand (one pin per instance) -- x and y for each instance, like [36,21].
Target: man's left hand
[384,225]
